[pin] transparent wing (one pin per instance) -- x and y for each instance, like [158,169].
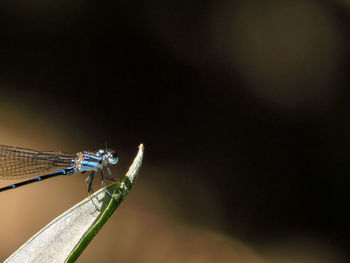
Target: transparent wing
[16,162]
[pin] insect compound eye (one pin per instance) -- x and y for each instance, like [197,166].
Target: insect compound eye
[112,158]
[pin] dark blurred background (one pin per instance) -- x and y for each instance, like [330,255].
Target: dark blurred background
[243,107]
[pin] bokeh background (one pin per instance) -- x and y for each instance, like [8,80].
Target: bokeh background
[243,108]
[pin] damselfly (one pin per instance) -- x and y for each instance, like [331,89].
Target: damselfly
[18,163]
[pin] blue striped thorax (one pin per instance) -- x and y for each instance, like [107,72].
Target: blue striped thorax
[89,161]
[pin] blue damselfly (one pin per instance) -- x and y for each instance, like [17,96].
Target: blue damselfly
[18,163]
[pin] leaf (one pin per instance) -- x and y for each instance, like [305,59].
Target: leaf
[66,237]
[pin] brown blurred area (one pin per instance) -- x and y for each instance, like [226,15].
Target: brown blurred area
[242,107]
